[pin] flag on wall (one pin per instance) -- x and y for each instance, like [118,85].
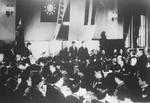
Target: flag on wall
[49,11]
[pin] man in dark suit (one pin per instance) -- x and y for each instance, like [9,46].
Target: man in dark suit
[83,54]
[142,61]
[73,51]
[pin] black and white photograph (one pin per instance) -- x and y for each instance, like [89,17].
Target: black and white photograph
[74,51]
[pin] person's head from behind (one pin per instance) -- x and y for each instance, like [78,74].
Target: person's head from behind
[57,79]
[14,72]
[36,79]
[11,83]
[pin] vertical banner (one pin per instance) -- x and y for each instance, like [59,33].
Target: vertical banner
[67,13]
[87,5]
[64,28]
[93,12]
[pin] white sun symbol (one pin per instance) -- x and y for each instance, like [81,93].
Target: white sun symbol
[50,8]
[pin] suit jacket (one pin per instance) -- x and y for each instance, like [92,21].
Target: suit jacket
[64,54]
[73,52]
[83,54]
[72,99]
[34,95]
[142,61]
[54,95]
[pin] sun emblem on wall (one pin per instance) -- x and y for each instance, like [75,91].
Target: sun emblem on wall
[50,8]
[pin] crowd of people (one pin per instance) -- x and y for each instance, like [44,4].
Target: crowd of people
[74,76]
